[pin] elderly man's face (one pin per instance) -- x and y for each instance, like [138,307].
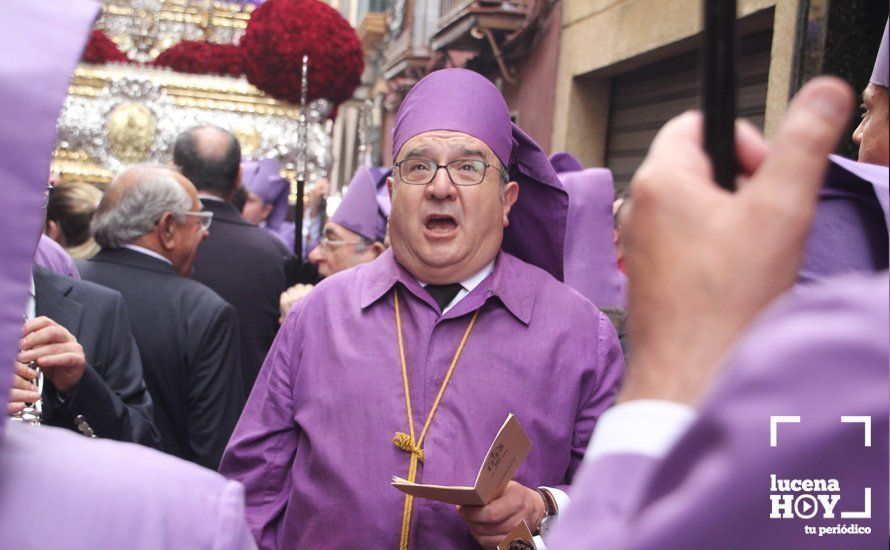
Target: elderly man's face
[872,134]
[341,249]
[189,235]
[444,233]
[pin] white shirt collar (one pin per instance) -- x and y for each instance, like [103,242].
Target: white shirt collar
[210,197]
[147,252]
[471,282]
[468,285]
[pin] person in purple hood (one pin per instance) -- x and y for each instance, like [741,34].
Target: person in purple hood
[466,305]
[60,489]
[354,235]
[746,422]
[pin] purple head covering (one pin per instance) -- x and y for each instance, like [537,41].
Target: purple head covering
[850,227]
[565,162]
[52,256]
[365,206]
[882,62]
[459,100]
[263,179]
[591,267]
[47,41]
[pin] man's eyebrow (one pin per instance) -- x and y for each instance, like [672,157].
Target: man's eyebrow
[417,152]
[468,152]
[329,232]
[866,96]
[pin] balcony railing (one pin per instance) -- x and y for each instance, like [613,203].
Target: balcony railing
[450,9]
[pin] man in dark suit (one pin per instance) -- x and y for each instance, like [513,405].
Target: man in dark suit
[80,335]
[242,262]
[149,225]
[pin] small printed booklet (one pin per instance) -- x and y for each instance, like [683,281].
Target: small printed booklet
[507,452]
[519,539]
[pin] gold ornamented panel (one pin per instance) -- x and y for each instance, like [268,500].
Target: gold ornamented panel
[118,115]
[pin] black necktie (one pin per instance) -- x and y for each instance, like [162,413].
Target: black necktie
[443,294]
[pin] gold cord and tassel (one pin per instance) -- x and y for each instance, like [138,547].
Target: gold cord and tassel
[406,441]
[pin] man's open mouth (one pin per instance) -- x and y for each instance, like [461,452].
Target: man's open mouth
[440,223]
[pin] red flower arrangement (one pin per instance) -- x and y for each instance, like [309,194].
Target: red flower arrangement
[280,32]
[196,57]
[101,49]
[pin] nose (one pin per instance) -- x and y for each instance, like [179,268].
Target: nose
[441,188]
[315,255]
[857,133]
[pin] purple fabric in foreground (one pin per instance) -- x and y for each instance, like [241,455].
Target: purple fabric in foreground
[537,229]
[820,355]
[591,267]
[879,75]
[47,38]
[58,488]
[362,211]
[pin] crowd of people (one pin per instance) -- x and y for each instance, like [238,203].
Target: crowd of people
[198,386]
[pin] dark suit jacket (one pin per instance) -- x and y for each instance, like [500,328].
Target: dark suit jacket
[188,339]
[111,395]
[244,264]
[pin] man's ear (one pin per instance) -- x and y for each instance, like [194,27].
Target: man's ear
[166,231]
[389,186]
[53,231]
[511,194]
[377,248]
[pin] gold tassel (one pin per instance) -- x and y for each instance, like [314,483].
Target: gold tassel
[403,441]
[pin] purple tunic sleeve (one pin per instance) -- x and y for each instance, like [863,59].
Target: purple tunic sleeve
[601,391]
[261,449]
[820,356]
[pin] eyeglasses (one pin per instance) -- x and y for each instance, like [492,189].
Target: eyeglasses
[464,172]
[330,244]
[206,218]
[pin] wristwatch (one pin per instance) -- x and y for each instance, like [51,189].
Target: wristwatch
[550,511]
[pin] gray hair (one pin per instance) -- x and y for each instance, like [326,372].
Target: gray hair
[138,208]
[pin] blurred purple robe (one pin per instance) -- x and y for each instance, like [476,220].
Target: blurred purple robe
[314,444]
[59,489]
[53,256]
[591,267]
[819,354]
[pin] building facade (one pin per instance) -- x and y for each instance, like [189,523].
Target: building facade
[596,78]
[627,66]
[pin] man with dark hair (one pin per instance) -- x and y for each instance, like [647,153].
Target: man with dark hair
[241,262]
[210,158]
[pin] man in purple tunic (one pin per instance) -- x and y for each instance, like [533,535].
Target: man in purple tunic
[788,448]
[57,488]
[408,366]
[267,197]
[354,235]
